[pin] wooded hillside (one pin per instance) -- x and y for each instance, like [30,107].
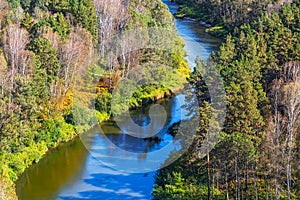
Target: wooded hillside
[257,155]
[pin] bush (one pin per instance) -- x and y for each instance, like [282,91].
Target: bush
[179,188]
[103,102]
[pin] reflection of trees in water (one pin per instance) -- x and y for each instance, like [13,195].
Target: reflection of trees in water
[58,169]
[124,145]
[66,164]
[139,145]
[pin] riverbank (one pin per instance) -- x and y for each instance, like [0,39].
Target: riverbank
[157,97]
[41,150]
[89,163]
[188,11]
[73,132]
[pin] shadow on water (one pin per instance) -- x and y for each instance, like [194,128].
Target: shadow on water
[106,187]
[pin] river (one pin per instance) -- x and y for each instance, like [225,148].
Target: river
[71,172]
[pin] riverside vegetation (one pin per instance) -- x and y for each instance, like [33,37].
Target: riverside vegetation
[44,44]
[257,156]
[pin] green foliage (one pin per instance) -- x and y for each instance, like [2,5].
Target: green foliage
[249,61]
[83,116]
[152,15]
[228,14]
[102,116]
[218,31]
[179,188]
[103,101]
[14,3]
[85,15]
[60,24]
[55,131]
[27,22]
[83,12]
[47,64]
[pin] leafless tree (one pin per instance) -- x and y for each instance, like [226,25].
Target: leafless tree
[291,101]
[274,136]
[291,71]
[3,7]
[74,53]
[15,40]
[111,20]
[25,64]
[285,124]
[128,52]
[3,73]
[112,67]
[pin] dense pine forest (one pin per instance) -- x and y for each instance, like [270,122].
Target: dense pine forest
[44,44]
[258,153]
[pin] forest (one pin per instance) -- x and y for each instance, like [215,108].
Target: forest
[258,153]
[225,16]
[44,45]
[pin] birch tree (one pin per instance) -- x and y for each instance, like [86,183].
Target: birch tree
[74,53]
[291,101]
[3,73]
[284,126]
[15,40]
[111,20]
[275,149]
[3,7]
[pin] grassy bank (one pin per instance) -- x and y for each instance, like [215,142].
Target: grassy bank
[189,10]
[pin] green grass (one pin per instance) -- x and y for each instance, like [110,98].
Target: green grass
[187,11]
[217,31]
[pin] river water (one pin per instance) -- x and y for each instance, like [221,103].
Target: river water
[72,172]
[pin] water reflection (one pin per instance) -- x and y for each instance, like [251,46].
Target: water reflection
[70,172]
[121,138]
[137,155]
[57,170]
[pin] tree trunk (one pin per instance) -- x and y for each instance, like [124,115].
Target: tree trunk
[226,181]
[255,183]
[208,175]
[213,185]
